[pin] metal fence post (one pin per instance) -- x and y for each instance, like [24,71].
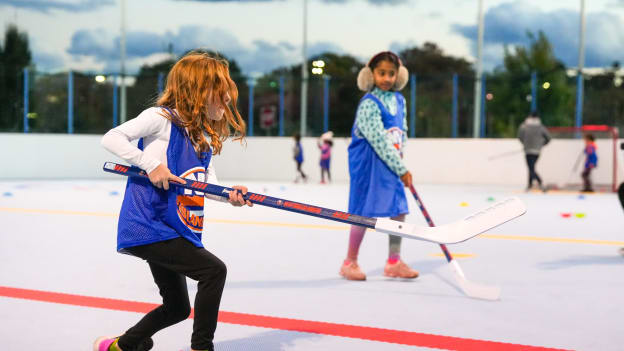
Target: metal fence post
[483,107]
[281,106]
[412,127]
[251,84]
[26,99]
[533,91]
[70,102]
[454,123]
[115,102]
[326,79]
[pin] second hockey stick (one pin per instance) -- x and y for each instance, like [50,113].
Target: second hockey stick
[469,288]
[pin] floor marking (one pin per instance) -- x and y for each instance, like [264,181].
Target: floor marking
[551,239]
[320,226]
[56,212]
[342,330]
[455,255]
[565,192]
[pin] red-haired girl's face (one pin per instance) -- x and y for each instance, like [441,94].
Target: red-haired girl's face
[385,75]
[216,109]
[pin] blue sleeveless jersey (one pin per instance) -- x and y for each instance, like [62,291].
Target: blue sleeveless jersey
[299,155]
[150,215]
[376,191]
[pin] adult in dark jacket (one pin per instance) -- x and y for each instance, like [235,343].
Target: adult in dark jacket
[533,136]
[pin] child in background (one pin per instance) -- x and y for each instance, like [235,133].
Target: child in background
[591,162]
[325,144]
[298,156]
[376,169]
[163,224]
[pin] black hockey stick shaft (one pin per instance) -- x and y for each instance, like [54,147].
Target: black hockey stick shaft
[425,214]
[259,199]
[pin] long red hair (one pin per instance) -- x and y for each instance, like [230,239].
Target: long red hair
[195,81]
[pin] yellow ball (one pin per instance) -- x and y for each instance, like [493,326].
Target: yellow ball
[463,204]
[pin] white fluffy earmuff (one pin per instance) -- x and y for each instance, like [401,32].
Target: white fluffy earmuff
[366,81]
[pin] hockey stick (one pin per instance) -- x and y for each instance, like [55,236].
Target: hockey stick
[469,288]
[505,154]
[574,169]
[621,194]
[452,233]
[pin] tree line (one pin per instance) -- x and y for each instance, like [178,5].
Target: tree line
[507,90]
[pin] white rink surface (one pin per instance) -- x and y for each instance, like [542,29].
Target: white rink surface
[59,236]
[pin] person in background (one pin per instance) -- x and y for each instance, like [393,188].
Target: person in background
[376,168]
[298,156]
[325,144]
[591,162]
[533,136]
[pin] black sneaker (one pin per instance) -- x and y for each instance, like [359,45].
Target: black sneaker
[145,345]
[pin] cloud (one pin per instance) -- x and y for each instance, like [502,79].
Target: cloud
[231,0]
[47,62]
[63,5]
[397,47]
[508,24]
[260,56]
[373,2]
[387,2]
[315,49]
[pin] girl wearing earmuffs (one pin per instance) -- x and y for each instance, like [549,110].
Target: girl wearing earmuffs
[376,168]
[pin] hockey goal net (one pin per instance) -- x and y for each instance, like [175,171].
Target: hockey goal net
[563,159]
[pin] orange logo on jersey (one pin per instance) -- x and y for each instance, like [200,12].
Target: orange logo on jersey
[190,204]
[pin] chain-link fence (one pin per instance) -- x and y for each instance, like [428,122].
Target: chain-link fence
[437,105]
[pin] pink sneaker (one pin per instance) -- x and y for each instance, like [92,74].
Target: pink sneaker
[109,343]
[351,271]
[103,343]
[399,270]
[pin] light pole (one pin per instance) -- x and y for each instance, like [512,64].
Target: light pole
[122,60]
[477,95]
[581,63]
[304,72]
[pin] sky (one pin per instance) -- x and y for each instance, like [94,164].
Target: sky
[262,35]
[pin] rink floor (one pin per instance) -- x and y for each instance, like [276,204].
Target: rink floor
[62,283]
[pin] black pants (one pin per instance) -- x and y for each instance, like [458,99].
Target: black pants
[170,262]
[323,171]
[587,184]
[300,171]
[531,160]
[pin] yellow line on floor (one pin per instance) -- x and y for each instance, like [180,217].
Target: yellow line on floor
[318,226]
[454,254]
[551,239]
[61,212]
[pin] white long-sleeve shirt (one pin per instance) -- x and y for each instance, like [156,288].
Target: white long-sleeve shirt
[155,130]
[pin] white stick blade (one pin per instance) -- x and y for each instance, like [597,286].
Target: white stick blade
[456,232]
[493,216]
[471,289]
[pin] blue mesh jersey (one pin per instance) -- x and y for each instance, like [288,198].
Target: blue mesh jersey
[299,154]
[375,190]
[150,215]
